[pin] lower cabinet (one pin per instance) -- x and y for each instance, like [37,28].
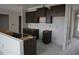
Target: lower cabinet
[47,35]
[33,32]
[30,47]
[17,46]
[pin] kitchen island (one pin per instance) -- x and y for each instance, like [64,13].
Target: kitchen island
[10,45]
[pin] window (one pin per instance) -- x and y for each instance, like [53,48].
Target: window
[76,25]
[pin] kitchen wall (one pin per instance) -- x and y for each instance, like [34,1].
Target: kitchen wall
[57,27]
[13,19]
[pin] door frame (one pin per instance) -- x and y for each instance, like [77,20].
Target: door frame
[67,32]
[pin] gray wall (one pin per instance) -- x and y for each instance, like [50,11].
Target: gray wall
[13,19]
[4,21]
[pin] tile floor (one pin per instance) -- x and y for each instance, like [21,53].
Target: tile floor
[1,53]
[48,49]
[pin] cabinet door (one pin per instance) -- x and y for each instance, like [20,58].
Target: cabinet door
[31,17]
[49,19]
[36,19]
[30,47]
[47,36]
[27,17]
[58,10]
[41,12]
[48,16]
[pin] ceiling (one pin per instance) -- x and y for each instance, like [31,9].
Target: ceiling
[28,5]
[34,5]
[16,7]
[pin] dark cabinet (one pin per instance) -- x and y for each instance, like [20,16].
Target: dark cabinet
[58,10]
[18,35]
[49,19]
[41,12]
[48,16]
[47,35]
[29,46]
[33,32]
[31,17]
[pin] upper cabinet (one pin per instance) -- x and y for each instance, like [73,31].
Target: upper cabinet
[31,17]
[41,12]
[34,16]
[58,10]
[48,16]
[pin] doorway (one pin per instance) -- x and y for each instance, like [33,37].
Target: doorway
[20,24]
[4,22]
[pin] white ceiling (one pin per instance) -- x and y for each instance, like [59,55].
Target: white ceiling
[16,7]
[28,5]
[33,5]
